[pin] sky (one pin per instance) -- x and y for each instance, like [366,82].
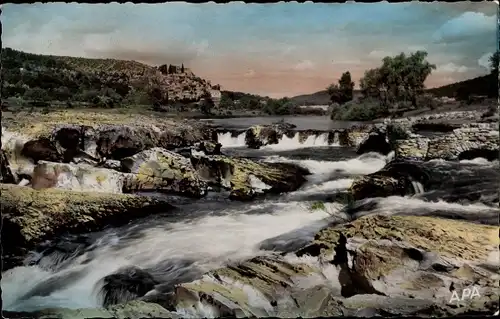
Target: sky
[281,49]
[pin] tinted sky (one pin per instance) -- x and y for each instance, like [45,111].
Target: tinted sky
[271,49]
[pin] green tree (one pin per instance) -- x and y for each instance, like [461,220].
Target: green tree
[399,78]
[494,60]
[346,87]
[36,94]
[62,93]
[206,104]
[343,91]
[226,102]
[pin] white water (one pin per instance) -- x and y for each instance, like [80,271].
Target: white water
[364,164]
[395,205]
[228,141]
[286,143]
[211,241]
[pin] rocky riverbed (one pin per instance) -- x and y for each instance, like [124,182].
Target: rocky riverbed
[130,216]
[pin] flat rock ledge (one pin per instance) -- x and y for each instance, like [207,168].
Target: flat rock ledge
[31,216]
[376,265]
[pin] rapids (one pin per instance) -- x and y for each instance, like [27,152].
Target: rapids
[209,233]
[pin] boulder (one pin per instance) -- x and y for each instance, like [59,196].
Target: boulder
[126,284]
[395,179]
[475,136]
[157,169]
[432,180]
[415,147]
[81,177]
[262,135]
[31,216]
[468,141]
[355,135]
[247,178]
[376,265]
[68,136]
[414,256]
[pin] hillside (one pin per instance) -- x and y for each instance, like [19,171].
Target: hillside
[486,85]
[99,82]
[317,98]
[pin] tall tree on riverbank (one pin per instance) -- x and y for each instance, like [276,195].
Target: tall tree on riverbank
[343,91]
[400,78]
[494,61]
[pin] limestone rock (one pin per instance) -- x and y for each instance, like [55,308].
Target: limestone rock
[246,178]
[376,265]
[67,136]
[413,148]
[161,170]
[81,177]
[30,216]
[477,136]
[395,179]
[262,135]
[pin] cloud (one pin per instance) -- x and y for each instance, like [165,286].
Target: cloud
[347,62]
[250,73]
[304,65]
[252,47]
[452,68]
[484,60]
[466,26]
[379,54]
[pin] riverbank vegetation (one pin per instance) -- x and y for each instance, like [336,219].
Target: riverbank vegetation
[398,86]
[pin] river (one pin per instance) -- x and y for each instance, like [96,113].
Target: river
[209,233]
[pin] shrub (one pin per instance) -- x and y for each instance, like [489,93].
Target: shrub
[364,110]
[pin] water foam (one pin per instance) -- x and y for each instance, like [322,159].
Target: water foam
[396,205]
[210,241]
[327,187]
[227,140]
[364,164]
[287,143]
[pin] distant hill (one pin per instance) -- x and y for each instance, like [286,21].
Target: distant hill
[486,85]
[317,98]
[98,82]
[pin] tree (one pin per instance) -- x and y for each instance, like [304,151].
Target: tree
[346,87]
[369,84]
[226,102]
[62,93]
[400,78]
[494,61]
[36,94]
[343,91]
[156,97]
[206,103]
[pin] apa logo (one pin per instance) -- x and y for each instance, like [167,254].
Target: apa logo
[467,294]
